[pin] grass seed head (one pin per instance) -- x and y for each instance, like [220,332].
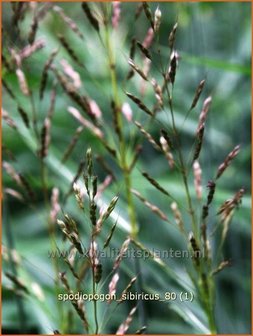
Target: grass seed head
[125,325]
[122,251]
[155,183]
[148,14]
[178,216]
[92,19]
[147,42]
[198,93]
[227,161]
[116,14]
[112,285]
[157,19]
[148,136]
[197,172]
[22,82]
[172,36]
[139,103]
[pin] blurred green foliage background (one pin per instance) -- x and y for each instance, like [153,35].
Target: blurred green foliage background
[214,42]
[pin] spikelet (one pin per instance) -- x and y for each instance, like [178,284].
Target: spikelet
[172,36]
[10,170]
[17,282]
[203,114]
[71,73]
[166,149]
[116,120]
[45,138]
[10,122]
[115,14]
[127,111]
[139,103]
[44,76]
[148,136]
[82,101]
[197,94]
[69,228]
[137,69]
[211,186]
[109,237]
[69,50]
[22,82]
[97,267]
[24,116]
[144,50]
[228,206]
[122,251]
[221,266]
[140,331]
[112,285]
[128,287]
[173,67]
[78,305]
[93,21]
[89,161]
[31,49]
[158,92]
[125,325]
[148,14]
[165,134]
[55,206]
[205,209]
[178,216]
[15,58]
[95,130]
[72,143]
[197,172]
[71,268]
[157,19]
[195,248]
[227,161]
[72,25]
[199,142]
[37,291]
[145,71]
[106,213]
[14,193]
[93,213]
[147,42]
[95,109]
[155,183]
[79,195]
[151,206]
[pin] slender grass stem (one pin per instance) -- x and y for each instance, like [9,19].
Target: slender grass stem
[122,144]
[183,167]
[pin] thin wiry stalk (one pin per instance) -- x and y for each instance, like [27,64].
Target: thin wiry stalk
[122,144]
